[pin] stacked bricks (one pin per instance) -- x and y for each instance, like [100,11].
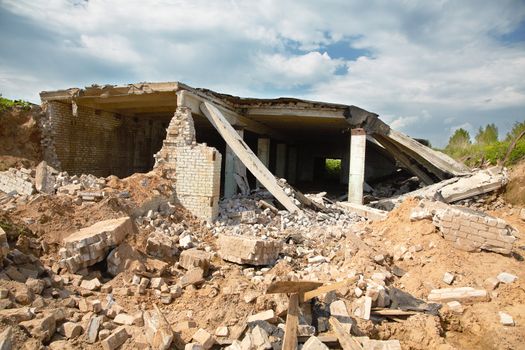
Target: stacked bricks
[19,181]
[472,230]
[79,139]
[195,168]
[91,244]
[248,250]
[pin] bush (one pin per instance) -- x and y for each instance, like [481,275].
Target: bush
[6,104]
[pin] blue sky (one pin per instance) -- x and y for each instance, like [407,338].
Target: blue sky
[426,67]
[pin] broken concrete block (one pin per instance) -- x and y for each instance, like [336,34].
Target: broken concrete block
[161,245]
[71,330]
[193,346]
[268,316]
[340,312]
[16,315]
[92,329]
[124,258]
[157,282]
[248,250]
[313,343]
[305,330]
[6,341]
[186,241]
[195,258]
[23,296]
[4,246]
[505,319]
[260,338]
[116,339]
[92,284]
[464,294]
[522,214]
[91,244]
[506,277]
[482,181]
[45,178]
[448,278]
[158,330]
[455,306]
[203,338]
[124,319]
[195,276]
[367,343]
[41,328]
[491,283]
[221,332]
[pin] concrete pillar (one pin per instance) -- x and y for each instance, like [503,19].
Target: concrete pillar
[292,165]
[306,164]
[280,160]
[263,153]
[357,166]
[232,166]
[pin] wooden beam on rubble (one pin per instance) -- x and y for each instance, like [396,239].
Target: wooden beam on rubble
[246,155]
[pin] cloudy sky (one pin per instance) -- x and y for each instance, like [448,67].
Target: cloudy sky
[426,67]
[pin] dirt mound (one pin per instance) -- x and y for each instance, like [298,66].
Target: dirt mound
[515,190]
[20,137]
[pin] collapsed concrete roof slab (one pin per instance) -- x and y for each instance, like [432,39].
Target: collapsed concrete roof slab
[281,118]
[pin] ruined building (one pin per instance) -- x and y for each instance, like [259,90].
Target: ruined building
[121,130]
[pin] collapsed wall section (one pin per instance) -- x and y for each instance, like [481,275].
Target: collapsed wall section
[195,168]
[80,139]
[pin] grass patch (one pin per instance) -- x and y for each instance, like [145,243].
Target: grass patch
[476,154]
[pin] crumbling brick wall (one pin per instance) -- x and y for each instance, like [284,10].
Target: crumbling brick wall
[472,230]
[195,168]
[99,142]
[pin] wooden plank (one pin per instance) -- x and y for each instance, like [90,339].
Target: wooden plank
[345,339]
[292,286]
[292,323]
[328,288]
[246,155]
[393,312]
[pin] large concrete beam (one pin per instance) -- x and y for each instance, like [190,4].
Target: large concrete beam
[246,155]
[193,101]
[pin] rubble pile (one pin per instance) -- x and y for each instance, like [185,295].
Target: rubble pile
[147,274]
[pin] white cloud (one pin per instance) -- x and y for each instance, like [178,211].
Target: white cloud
[443,57]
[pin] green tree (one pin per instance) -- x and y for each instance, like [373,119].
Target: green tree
[460,139]
[488,135]
[517,128]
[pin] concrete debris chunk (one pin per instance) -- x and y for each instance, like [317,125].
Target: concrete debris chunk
[491,283]
[4,246]
[92,284]
[464,294]
[41,328]
[158,330]
[260,338]
[161,245]
[340,312]
[116,339]
[6,341]
[195,276]
[91,244]
[505,277]
[195,258]
[455,306]
[483,181]
[313,343]
[522,214]
[448,278]
[93,328]
[203,338]
[45,178]
[268,315]
[71,330]
[124,319]
[248,250]
[505,319]
[193,346]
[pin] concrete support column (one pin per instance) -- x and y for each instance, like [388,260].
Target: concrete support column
[263,153]
[292,165]
[357,166]
[280,160]
[232,166]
